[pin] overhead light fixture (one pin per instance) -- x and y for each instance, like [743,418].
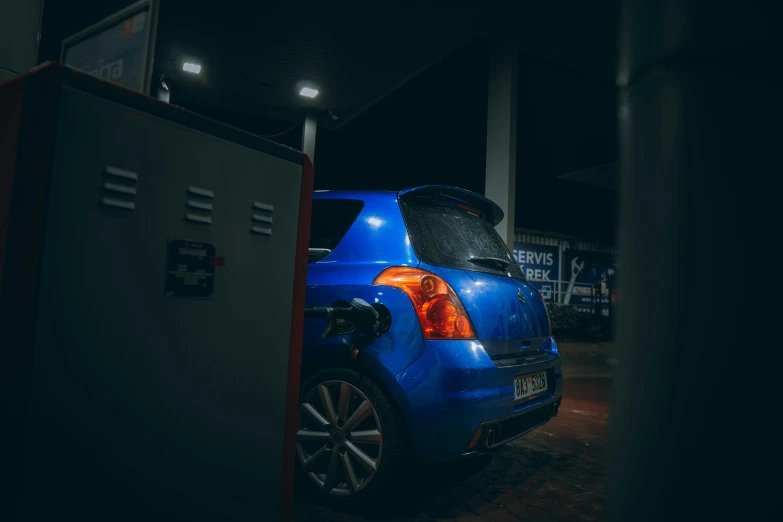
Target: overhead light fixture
[191,68]
[308,92]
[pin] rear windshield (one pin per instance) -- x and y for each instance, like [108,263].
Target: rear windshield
[443,235]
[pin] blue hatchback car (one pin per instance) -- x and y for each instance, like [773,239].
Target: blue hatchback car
[469,362]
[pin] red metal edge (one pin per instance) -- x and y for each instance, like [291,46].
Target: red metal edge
[295,349]
[23,243]
[11,102]
[12,98]
[16,138]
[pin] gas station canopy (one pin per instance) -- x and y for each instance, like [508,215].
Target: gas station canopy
[256,57]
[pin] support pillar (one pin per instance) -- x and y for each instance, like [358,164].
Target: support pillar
[501,170]
[20,22]
[308,136]
[699,157]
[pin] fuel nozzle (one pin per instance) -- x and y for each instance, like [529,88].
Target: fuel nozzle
[357,317]
[363,316]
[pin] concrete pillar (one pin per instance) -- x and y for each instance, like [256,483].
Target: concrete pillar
[20,22]
[501,170]
[308,136]
[694,412]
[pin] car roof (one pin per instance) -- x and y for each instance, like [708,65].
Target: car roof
[353,194]
[371,198]
[488,208]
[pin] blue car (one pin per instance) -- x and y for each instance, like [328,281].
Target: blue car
[468,363]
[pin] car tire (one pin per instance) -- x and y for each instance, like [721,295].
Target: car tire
[389,455]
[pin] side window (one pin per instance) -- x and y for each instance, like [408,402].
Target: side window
[331,220]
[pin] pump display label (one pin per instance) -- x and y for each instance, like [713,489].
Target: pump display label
[117,54]
[190,269]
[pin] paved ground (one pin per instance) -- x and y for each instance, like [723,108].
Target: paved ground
[589,365]
[555,473]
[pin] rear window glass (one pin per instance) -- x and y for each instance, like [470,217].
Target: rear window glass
[443,235]
[331,220]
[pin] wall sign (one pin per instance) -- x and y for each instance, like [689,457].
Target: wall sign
[584,270]
[540,264]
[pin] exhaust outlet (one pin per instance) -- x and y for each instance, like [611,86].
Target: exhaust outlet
[490,441]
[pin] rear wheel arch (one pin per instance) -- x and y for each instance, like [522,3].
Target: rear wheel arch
[337,357]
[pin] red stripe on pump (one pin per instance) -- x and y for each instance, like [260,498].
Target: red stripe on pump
[295,349]
[23,244]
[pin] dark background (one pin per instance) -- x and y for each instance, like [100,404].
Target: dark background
[433,130]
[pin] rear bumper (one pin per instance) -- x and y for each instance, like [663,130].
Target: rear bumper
[497,433]
[454,388]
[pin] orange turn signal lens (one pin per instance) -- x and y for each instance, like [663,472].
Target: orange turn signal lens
[440,311]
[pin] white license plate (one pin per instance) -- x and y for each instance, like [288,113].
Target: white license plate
[528,385]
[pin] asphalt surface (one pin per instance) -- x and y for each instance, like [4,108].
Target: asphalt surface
[554,473]
[586,365]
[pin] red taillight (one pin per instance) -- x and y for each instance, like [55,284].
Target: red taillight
[440,311]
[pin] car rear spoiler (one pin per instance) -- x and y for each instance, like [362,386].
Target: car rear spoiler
[488,209]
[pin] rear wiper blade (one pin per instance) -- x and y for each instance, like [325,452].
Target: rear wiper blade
[493,262]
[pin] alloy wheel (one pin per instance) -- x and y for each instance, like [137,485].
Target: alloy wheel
[339,447]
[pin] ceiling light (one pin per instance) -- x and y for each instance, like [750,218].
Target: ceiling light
[191,68]
[307,92]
